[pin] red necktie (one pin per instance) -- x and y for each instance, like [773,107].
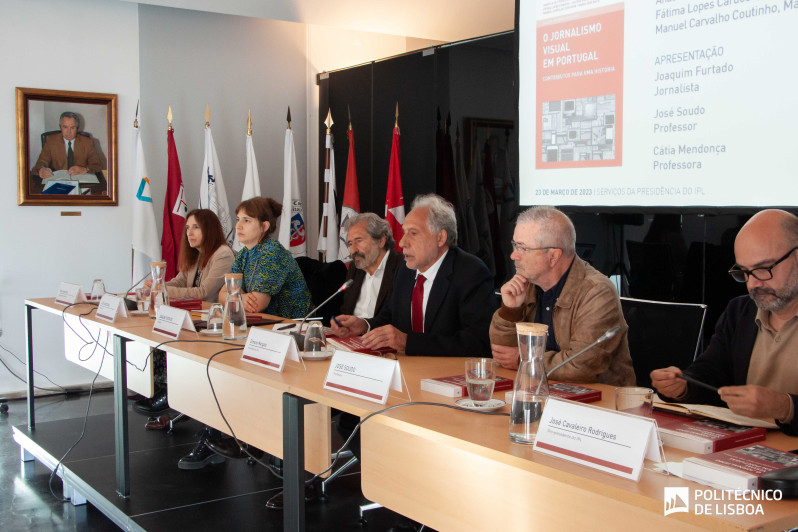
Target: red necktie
[418,304]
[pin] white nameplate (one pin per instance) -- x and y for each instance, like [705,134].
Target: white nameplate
[269,349]
[170,320]
[364,376]
[69,294]
[610,441]
[110,307]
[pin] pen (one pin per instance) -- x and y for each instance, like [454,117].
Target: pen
[698,382]
[338,323]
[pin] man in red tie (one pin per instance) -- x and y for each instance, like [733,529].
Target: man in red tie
[68,151]
[443,298]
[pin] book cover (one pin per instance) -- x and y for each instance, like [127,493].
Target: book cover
[355,344]
[572,392]
[704,435]
[185,303]
[455,386]
[736,469]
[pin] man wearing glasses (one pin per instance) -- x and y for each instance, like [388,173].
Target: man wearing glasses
[751,357]
[578,303]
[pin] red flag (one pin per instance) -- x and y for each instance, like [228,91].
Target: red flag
[351,204]
[174,209]
[394,201]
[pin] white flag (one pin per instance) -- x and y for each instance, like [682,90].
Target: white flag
[212,193]
[251,184]
[292,222]
[146,247]
[329,243]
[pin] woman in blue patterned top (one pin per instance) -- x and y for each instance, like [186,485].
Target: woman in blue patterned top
[273,282]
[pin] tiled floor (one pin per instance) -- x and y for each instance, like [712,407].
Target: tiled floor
[29,505]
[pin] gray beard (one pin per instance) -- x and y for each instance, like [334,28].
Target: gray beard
[778,298]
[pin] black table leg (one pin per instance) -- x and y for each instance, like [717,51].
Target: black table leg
[29,366]
[121,444]
[294,462]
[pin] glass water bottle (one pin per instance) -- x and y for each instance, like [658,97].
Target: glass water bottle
[531,388]
[158,294]
[235,319]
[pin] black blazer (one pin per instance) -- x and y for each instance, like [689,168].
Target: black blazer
[459,309]
[386,287]
[725,361]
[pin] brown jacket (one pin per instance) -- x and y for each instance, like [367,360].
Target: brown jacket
[587,307]
[211,279]
[54,155]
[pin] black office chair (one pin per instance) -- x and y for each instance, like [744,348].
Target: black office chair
[323,279]
[662,334]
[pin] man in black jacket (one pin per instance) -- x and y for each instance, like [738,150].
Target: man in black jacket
[753,355]
[442,299]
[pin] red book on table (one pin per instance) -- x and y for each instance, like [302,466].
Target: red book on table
[455,386]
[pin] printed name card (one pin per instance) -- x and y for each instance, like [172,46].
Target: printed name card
[363,376]
[610,441]
[110,307]
[269,349]
[69,294]
[170,320]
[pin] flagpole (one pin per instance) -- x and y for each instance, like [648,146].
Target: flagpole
[132,250]
[328,122]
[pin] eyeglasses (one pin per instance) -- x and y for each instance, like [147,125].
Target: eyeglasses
[761,274]
[522,249]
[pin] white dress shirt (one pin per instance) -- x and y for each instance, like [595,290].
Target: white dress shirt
[369,290]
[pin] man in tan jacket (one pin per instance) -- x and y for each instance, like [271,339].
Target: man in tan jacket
[578,303]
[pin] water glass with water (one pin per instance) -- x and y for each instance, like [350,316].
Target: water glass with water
[480,375]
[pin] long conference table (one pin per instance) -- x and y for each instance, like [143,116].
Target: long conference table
[448,469]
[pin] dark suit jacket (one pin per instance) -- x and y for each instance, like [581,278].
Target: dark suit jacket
[725,361]
[386,287]
[458,312]
[54,154]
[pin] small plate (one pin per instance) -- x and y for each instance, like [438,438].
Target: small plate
[319,355]
[490,406]
[207,332]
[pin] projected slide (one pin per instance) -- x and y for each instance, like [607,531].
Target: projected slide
[658,103]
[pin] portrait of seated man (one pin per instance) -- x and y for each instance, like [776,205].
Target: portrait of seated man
[71,151]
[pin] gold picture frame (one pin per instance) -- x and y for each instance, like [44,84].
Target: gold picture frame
[38,119]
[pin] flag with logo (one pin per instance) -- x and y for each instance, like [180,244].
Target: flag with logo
[292,223]
[394,201]
[174,209]
[145,233]
[351,204]
[251,182]
[212,193]
[328,230]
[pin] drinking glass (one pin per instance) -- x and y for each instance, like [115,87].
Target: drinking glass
[480,375]
[143,299]
[634,400]
[215,318]
[315,340]
[97,290]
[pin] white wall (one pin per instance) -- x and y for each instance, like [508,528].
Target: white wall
[38,247]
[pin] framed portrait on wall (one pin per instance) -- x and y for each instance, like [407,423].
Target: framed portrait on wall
[66,147]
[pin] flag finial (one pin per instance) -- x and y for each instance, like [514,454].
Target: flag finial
[329,121]
[288,117]
[249,122]
[349,113]
[169,118]
[136,119]
[396,123]
[207,116]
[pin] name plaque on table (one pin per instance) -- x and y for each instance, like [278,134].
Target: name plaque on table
[610,441]
[269,349]
[69,294]
[363,376]
[170,320]
[110,307]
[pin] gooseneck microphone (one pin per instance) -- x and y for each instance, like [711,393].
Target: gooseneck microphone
[298,334]
[606,336]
